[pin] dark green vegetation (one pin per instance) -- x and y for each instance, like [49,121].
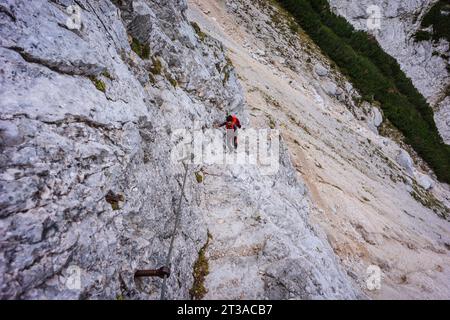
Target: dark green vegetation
[171,80]
[439,18]
[141,49]
[377,76]
[422,36]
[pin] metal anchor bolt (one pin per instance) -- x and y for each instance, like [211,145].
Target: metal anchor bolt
[161,272]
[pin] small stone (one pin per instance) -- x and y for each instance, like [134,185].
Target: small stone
[330,88]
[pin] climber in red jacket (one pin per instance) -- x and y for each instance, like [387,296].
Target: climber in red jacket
[232,123]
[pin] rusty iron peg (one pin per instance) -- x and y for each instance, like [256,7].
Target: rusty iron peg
[161,272]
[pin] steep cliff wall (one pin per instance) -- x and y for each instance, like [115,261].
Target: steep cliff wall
[87,117]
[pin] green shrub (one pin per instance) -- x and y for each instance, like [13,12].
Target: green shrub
[106,74]
[199,177]
[172,81]
[141,49]
[439,18]
[227,70]
[422,36]
[156,67]
[99,84]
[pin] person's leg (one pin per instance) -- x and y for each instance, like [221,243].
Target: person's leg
[230,139]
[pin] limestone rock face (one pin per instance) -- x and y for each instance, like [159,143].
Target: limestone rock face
[424,62]
[88,191]
[82,119]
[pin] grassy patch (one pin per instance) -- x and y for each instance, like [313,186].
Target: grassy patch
[227,70]
[272,124]
[141,49]
[199,177]
[201,35]
[99,84]
[201,270]
[156,67]
[106,74]
[429,201]
[171,80]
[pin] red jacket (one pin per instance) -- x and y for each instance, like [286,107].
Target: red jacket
[233,124]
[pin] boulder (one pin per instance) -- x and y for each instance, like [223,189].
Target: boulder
[377,117]
[141,8]
[424,181]
[330,88]
[348,87]
[320,70]
[405,160]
